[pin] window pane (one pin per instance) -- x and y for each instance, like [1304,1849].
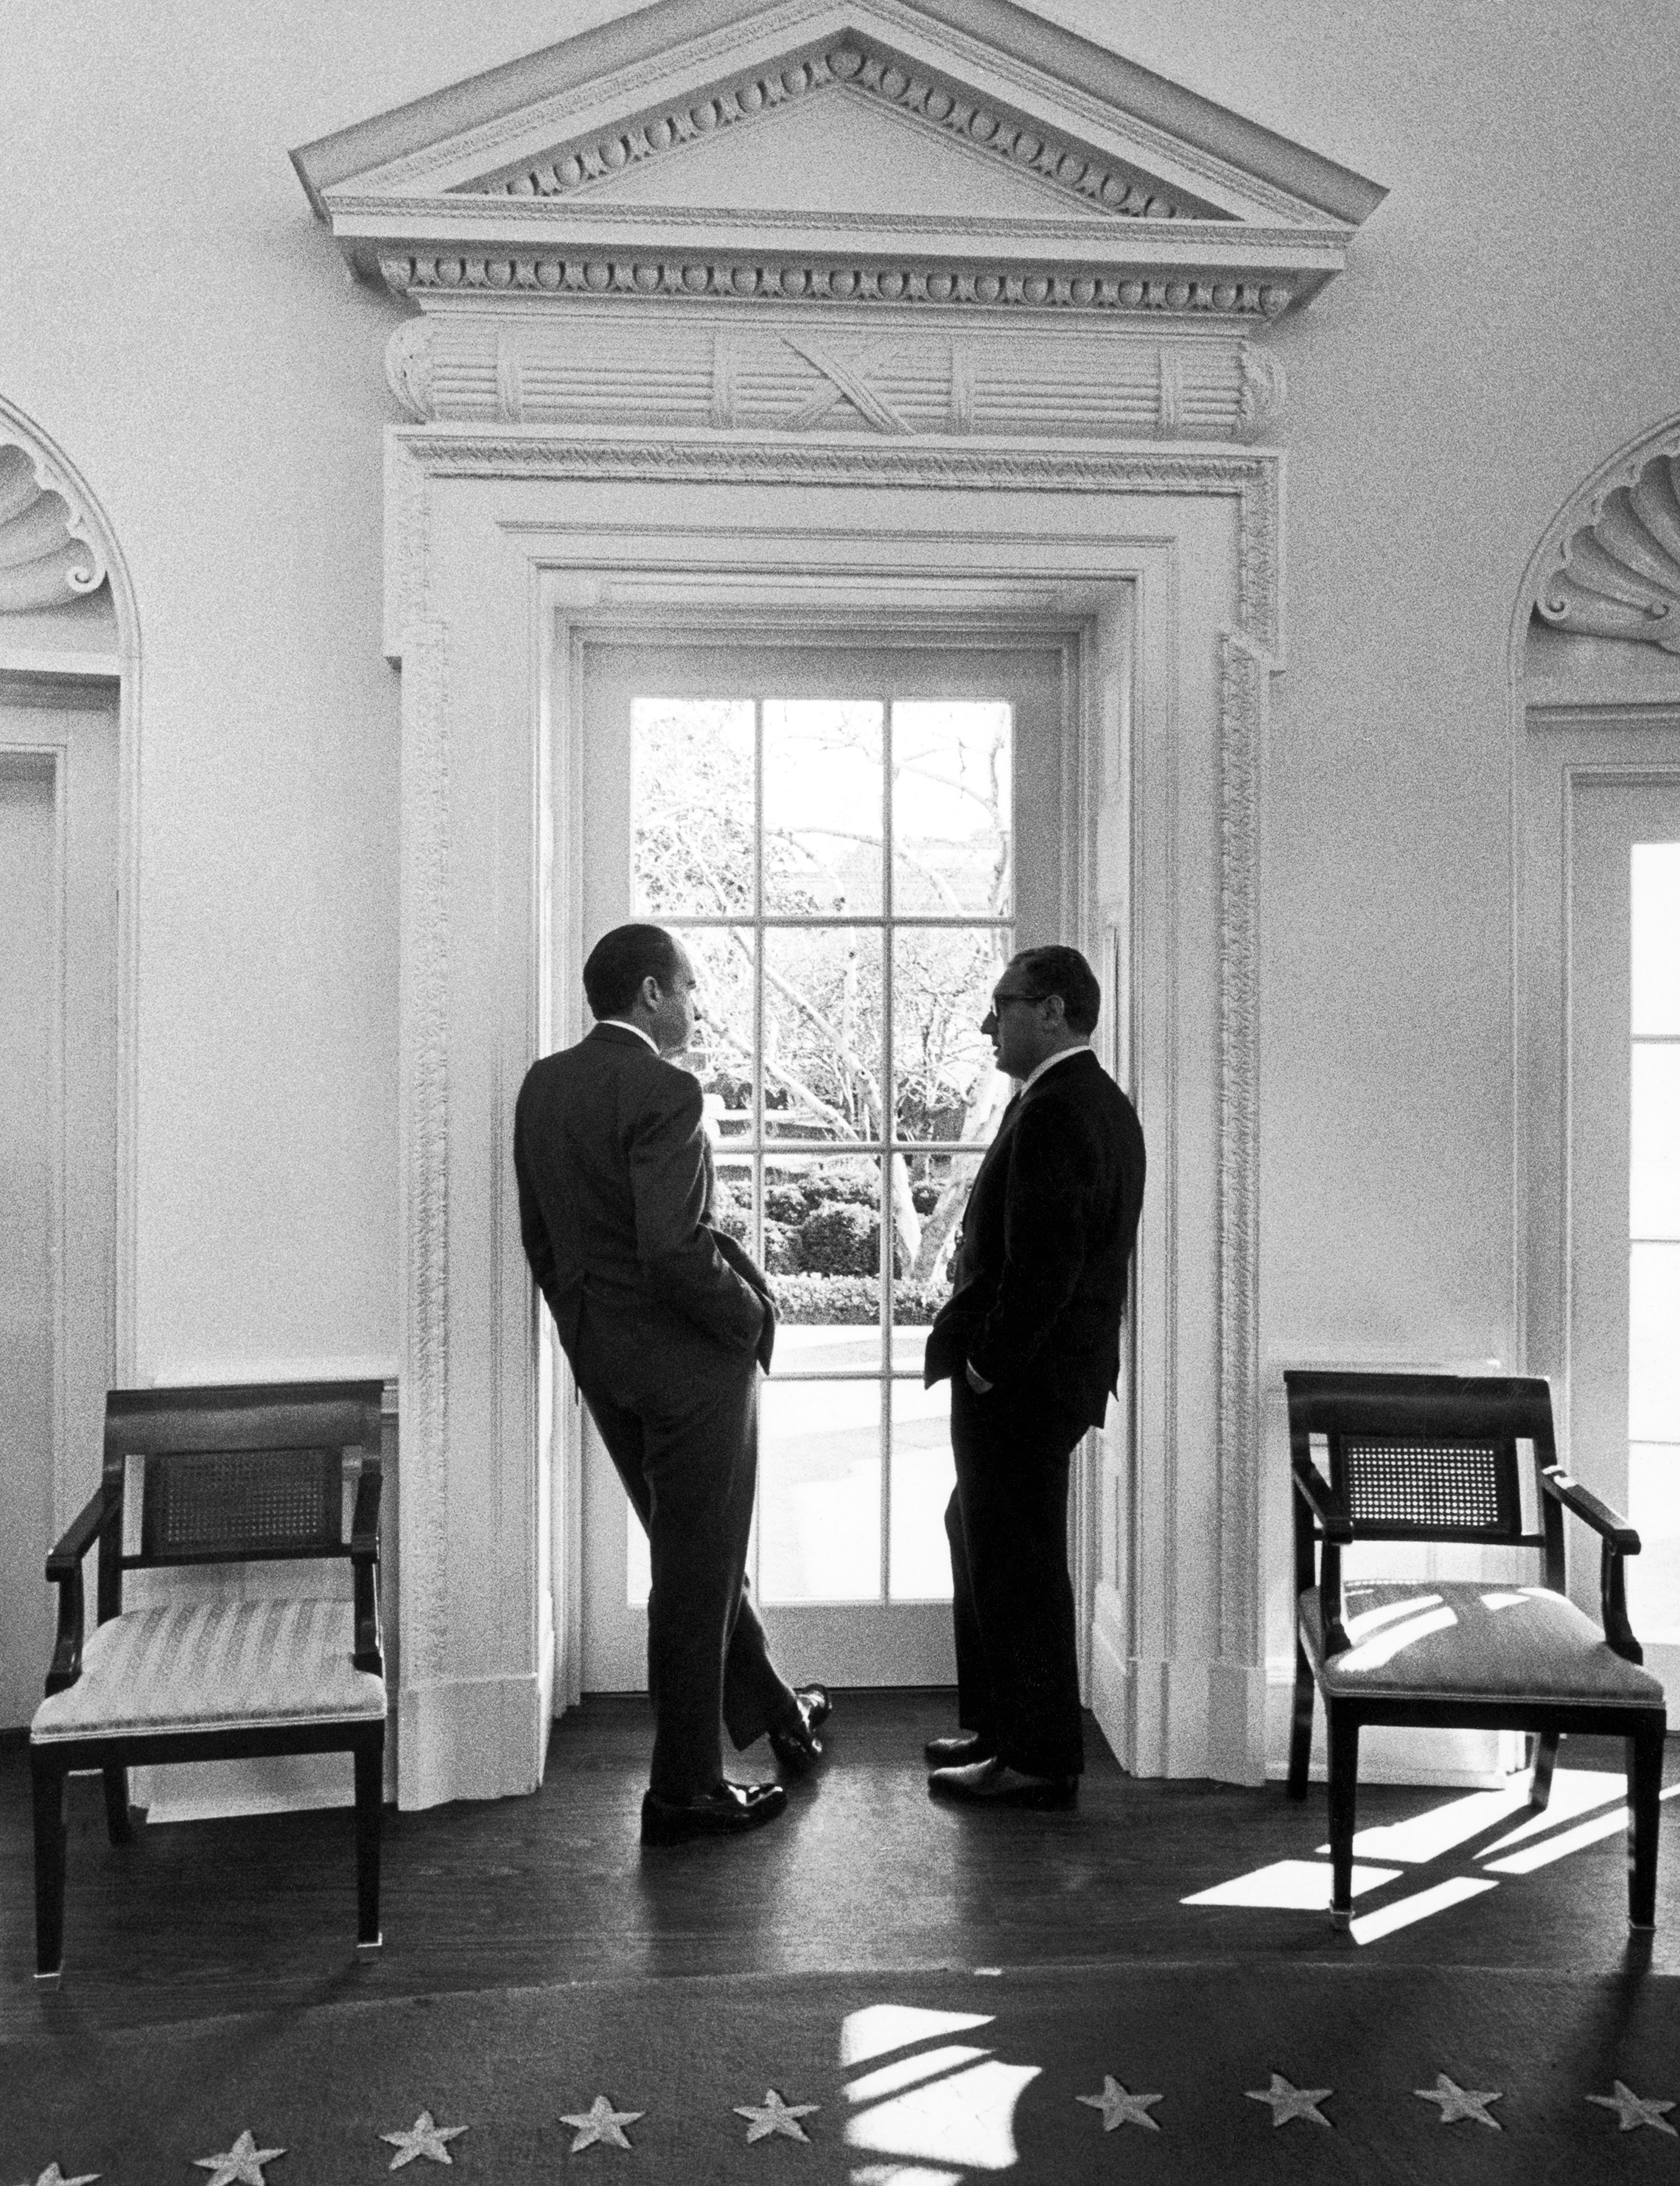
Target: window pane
[819,1491]
[1653,1182]
[1656,937]
[919,1558]
[822,1032]
[1652,1352]
[946,1084]
[822,1253]
[822,806]
[721,1056]
[1653,1575]
[730,1208]
[938,1190]
[951,818]
[691,806]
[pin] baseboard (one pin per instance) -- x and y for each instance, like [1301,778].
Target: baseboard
[1175,1717]
[1396,1754]
[472,1738]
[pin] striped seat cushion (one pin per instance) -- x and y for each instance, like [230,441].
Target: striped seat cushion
[215,1664]
[1463,1641]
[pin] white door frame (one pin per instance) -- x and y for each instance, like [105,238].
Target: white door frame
[499,540]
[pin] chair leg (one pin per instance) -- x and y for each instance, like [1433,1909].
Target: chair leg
[1343,1732]
[1301,1724]
[118,1825]
[52,1822]
[370,1786]
[1545,1760]
[1644,1787]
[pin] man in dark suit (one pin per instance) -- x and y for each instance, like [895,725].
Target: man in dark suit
[1030,1340]
[666,1322]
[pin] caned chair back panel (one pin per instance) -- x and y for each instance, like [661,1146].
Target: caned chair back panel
[238,1475]
[1426,1457]
[208,1505]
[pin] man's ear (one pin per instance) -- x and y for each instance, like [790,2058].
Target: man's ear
[651,992]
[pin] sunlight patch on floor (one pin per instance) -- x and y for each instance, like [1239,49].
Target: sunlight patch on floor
[1299,1885]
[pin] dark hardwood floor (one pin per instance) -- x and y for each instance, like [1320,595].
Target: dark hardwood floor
[198,1919]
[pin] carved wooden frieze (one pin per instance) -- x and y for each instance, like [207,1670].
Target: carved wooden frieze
[48,558]
[1618,572]
[850,377]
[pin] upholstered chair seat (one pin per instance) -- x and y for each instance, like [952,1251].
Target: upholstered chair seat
[215,1664]
[1457,1639]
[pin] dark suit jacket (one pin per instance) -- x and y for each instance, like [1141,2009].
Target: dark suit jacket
[614,1172]
[1039,1284]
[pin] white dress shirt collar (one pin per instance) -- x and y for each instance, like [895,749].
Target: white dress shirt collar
[1050,1061]
[624,1025]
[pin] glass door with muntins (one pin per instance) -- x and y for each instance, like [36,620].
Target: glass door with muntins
[837,836]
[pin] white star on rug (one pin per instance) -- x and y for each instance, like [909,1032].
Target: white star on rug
[1118,2108]
[775,2116]
[602,2123]
[423,2137]
[1632,2110]
[1459,2103]
[242,2162]
[51,2176]
[1289,2102]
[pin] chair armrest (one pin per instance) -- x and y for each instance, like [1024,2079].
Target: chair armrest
[1617,1539]
[364,1539]
[1591,1510]
[83,1530]
[1314,1491]
[63,1571]
[364,1555]
[1336,1529]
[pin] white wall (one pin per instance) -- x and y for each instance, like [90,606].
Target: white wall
[179,323]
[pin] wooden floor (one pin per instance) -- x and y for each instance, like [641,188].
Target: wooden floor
[197,1919]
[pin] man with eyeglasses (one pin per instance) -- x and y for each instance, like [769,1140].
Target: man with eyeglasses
[1030,1342]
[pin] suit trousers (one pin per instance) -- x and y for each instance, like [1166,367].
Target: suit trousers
[1012,1599]
[683,1433]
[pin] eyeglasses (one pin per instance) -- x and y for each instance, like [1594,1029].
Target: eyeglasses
[1000,999]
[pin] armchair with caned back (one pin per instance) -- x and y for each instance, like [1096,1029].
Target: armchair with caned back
[1435,1457]
[226,1475]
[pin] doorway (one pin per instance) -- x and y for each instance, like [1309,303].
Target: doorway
[1623,1107]
[57,1136]
[851,839]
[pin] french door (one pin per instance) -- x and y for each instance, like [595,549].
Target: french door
[1624,1193]
[851,840]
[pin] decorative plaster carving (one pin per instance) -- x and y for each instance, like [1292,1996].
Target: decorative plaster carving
[738,280]
[1617,571]
[869,70]
[1245,672]
[425,1011]
[1265,389]
[49,551]
[408,367]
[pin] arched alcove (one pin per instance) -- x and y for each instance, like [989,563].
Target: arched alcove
[1595,683]
[69,699]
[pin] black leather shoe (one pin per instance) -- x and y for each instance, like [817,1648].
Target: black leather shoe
[953,1752]
[724,1811]
[994,1783]
[797,1746]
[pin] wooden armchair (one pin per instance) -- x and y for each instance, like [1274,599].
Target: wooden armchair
[1432,1457]
[216,1476]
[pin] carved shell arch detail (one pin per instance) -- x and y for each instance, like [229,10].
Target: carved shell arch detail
[49,552]
[1071,169]
[1617,574]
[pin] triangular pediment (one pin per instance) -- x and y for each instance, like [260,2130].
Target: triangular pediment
[953,133]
